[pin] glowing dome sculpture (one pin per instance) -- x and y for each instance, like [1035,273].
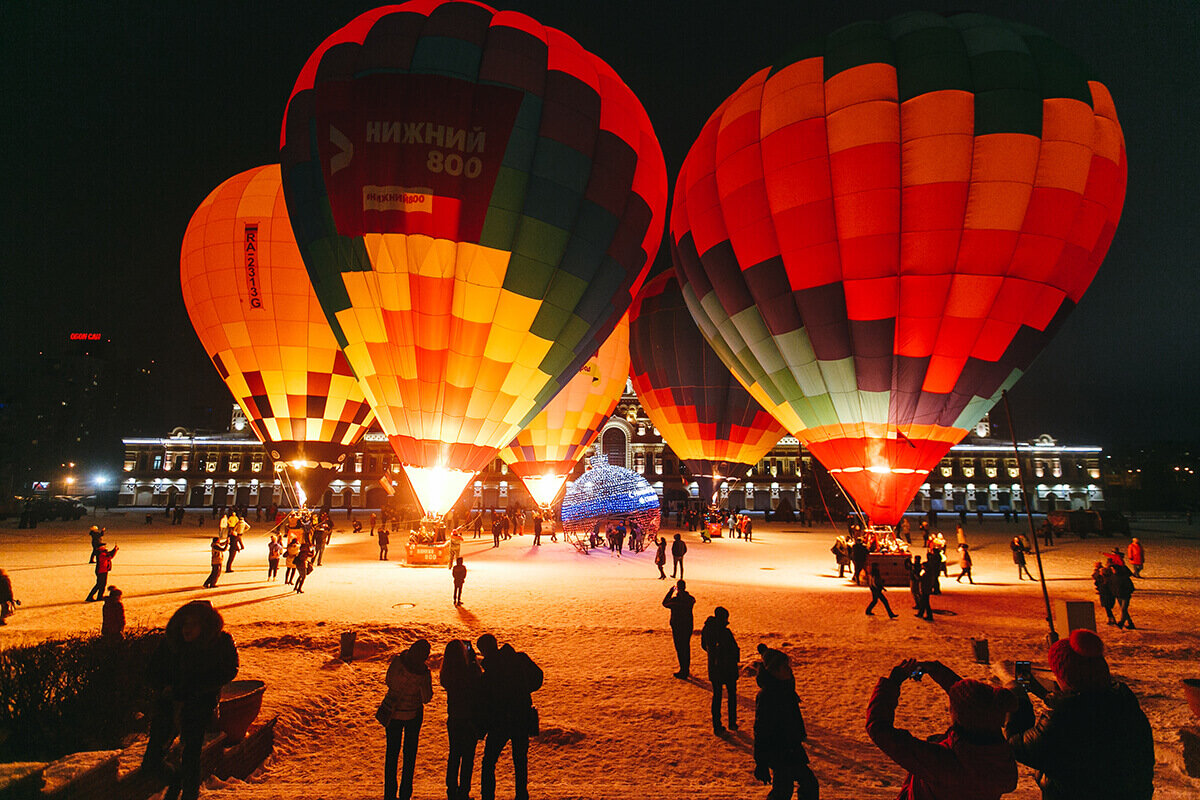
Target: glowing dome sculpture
[609,493]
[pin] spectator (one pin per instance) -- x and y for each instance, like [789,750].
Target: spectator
[112,616]
[660,557]
[459,574]
[970,761]
[1093,741]
[216,548]
[462,679]
[682,624]
[964,562]
[1122,588]
[1102,580]
[678,550]
[723,657]
[409,688]
[1137,557]
[104,558]
[509,680]
[1019,549]
[876,583]
[194,660]
[8,603]
[779,734]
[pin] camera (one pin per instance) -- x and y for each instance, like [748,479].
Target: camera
[1023,673]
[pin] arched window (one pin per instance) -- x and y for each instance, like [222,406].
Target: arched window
[615,445]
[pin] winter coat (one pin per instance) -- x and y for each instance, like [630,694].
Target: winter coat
[1135,554]
[956,765]
[779,732]
[1102,580]
[681,610]
[1018,551]
[678,548]
[509,680]
[104,559]
[410,685]
[217,550]
[1095,745]
[459,572]
[195,671]
[112,617]
[723,652]
[1122,582]
[463,692]
[660,555]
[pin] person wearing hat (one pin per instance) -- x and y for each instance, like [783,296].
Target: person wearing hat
[971,760]
[104,558]
[723,656]
[1094,740]
[409,688]
[112,615]
[779,733]
[97,534]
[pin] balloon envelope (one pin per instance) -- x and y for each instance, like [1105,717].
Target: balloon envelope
[477,199]
[252,305]
[880,233]
[704,415]
[549,447]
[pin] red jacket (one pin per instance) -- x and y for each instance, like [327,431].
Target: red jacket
[956,765]
[1135,554]
[104,560]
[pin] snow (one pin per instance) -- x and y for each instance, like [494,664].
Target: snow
[615,723]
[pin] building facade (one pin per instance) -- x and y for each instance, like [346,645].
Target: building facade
[203,470]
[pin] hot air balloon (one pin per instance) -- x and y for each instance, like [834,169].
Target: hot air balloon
[879,234]
[549,447]
[249,298]
[711,422]
[477,199]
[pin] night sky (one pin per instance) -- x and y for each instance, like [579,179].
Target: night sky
[119,118]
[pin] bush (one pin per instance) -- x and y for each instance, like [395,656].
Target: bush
[71,695]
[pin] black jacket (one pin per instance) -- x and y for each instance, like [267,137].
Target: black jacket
[681,610]
[1095,745]
[779,733]
[723,652]
[509,680]
[195,671]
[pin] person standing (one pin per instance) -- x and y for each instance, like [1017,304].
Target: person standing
[409,688]
[914,580]
[373,520]
[104,558]
[509,680]
[478,524]
[875,581]
[858,558]
[970,760]
[680,604]
[112,616]
[456,542]
[382,540]
[537,528]
[1018,555]
[660,557]
[496,528]
[274,550]
[234,544]
[459,573]
[678,551]
[289,559]
[97,536]
[1094,741]
[841,554]
[1122,588]
[195,658]
[723,657]
[215,550]
[779,733]
[929,577]
[964,562]
[1136,556]
[223,527]
[1102,580]
[303,566]
[462,679]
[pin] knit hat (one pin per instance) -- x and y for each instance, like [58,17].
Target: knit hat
[776,662]
[978,706]
[1078,661]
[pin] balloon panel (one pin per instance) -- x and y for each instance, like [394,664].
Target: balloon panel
[880,234]
[558,436]
[477,199]
[702,412]
[252,305]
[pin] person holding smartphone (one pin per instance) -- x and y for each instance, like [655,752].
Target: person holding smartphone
[971,760]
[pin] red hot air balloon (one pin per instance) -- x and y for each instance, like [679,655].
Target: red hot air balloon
[253,307]
[879,234]
[477,199]
[711,422]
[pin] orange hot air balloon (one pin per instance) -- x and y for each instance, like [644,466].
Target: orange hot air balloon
[477,199]
[547,449]
[252,305]
[879,234]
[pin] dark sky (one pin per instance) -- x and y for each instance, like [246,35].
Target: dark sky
[120,117]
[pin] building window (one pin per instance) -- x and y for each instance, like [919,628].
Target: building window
[158,463]
[358,462]
[639,461]
[615,445]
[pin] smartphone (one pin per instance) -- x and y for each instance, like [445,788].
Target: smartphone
[1023,673]
[917,674]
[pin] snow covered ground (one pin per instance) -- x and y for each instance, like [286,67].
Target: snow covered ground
[615,723]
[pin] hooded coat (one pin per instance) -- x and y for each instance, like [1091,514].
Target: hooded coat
[959,764]
[410,684]
[195,671]
[723,652]
[1094,744]
[779,732]
[509,680]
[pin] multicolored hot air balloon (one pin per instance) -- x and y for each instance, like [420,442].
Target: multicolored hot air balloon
[477,199]
[711,422]
[549,447]
[881,233]
[253,307]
